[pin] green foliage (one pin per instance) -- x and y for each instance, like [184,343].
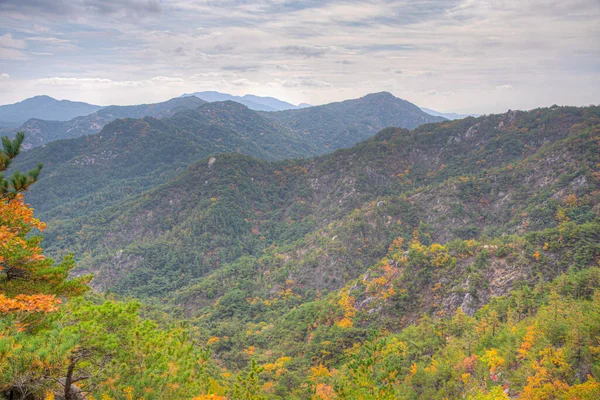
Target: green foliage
[339,211]
[42,131]
[338,125]
[109,350]
[343,276]
[18,181]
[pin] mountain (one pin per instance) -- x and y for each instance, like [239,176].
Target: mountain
[456,260]
[131,155]
[343,124]
[450,116]
[123,159]
[275,104]
[399,248]
[326,127]
[44,107]
[322,222]
[253,102]
[39,132]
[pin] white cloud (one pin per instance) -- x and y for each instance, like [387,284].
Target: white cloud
[480,56]
[104,82]
[11,48]
[7,40]
[11,54]
[60,81]
[53,43]
[78,9]
[304,81]
[242,82]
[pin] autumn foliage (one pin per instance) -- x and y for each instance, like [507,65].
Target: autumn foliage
[29,282]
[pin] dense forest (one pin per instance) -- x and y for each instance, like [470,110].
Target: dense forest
[460,259]
[99,160]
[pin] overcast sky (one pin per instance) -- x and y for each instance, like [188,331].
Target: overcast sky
[474,56]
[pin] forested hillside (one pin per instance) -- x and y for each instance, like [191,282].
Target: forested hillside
[41,131]
[337,125]
[331,217]
[131,155]
[455,260]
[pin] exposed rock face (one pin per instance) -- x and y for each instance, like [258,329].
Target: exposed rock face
[468,305]
[365,303]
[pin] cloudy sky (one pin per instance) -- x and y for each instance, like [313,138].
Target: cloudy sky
[477,56]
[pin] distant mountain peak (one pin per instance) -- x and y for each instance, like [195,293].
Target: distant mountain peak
[40,131]
[253,102]
[380,94]
[45,107]
[42,96]
[450,116]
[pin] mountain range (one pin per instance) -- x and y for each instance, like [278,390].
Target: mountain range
[39,131]
[450,116]
[356,124]
[131,155]
[319,253]
[253,102]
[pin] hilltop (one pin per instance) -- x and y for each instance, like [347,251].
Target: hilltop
[43,107]
[345,123]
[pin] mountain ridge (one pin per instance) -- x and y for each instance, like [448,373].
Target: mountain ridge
[39,132]
[217,127]
[363,118]
[447,115]
[253,102]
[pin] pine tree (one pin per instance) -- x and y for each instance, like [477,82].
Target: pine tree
[18,182]
[31,286]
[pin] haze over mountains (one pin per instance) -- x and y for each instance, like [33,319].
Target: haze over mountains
[39,131]
[450,116]
[258,103]
[43,107]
